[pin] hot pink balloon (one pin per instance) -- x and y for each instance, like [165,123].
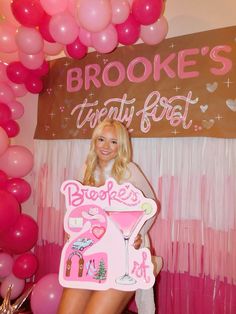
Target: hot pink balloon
[46,295]
[53,7]
[85,37]
[25,265]
[27,12]
[52,49]
[9,211]
[3,180]
[17,286]
[22,236]
[153,34]
[106,40]
[6,264]
[63,28]
[11,127]
[29,40]
[16,161]
[94,15]
[120,11]
[19,188]
[5,113]
[7,37]
[128,32]
[34,84]
[5,9]
[32,62]
[76,50]
[42,70]
[19,90]
[4,141]
[44,28]
[17,72]
[147,12]
[6,93]
[17,109]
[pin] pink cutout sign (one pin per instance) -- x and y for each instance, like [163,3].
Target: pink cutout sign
[102,223]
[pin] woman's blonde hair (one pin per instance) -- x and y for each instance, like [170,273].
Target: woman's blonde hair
[123,156]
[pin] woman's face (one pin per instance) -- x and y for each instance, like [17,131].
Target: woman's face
[106,145]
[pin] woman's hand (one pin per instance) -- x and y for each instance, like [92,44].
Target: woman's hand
[137,241]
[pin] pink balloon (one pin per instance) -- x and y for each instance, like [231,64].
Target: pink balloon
[76,50]
[25,266]
[27,12]
[128,32]
[19,90]
[147,12]
[32,61]
[9,211]
[6,264]
[85,37]
[46,295]
[3,180]
[3,72]
[44,28]
[19,188]
[52,49]
[11,127]
[29,40]
[120,11]
[153,34]
[22,236]
[17,286]
[5,9]
[106,40]
[94,15]
[9,57]
[63,28]
[53,7]
[5,113]
[4,141]
[7,37]
[17,72]
[72,7]
[6,93]
[34,84]
[17,109]
[16,161]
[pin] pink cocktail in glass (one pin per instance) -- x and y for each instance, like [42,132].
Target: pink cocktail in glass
[126,221]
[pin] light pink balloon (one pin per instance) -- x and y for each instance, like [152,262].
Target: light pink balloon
[3,73]
[53,7]
[6,263]
[6,93]
[85,37]
[9,57]
[94,15]
[17,109]
[17,286]
[31,62]
[63,28]
[52,49]
[72,7]
[120,11]
[5,9]
[16,161]
[153,34]
[4,142]
[106,40]
[19,90]
[29,40]
[7,37]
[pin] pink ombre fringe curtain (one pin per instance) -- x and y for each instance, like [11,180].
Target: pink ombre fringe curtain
[195,233]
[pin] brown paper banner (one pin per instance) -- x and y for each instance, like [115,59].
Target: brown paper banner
[185,86]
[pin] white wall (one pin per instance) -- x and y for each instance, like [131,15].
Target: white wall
[183,16]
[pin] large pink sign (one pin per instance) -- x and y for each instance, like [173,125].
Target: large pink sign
[102,223]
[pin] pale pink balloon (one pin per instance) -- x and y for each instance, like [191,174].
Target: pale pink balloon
[4,141]
[94,15]
[7,37]
[85,37]
[9,57]
[29,40]
[6,93]
[52,49]
[153,34]
[19,90]
[63,28]
[17,286]
[106,40]
[17,109]
[33,61]
[72,7]
[120,11]
[53,7]
[6,264]
[5,9]
[3,73]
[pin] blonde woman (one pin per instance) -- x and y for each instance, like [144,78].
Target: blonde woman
[110,156]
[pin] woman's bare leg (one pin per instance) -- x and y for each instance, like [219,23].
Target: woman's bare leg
[109,301]
[74,301]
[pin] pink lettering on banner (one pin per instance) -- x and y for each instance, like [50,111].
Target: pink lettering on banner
[183,63]
[110,67]
[147,70]
[225,62]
